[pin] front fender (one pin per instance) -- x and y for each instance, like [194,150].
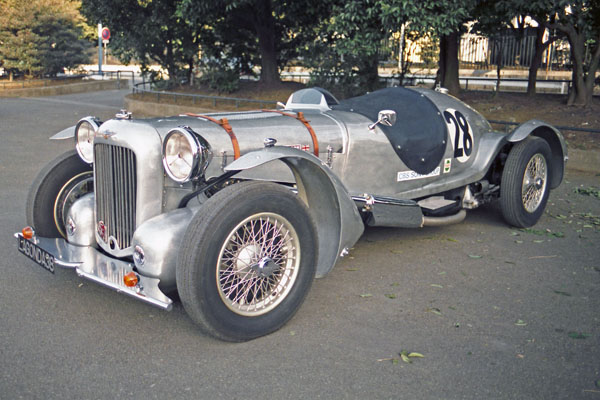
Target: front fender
[554,138]
[67,133]
[339,225]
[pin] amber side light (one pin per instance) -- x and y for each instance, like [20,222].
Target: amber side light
[27,232]
[130,279]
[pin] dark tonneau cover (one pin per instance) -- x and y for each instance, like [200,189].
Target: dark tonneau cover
[419,135]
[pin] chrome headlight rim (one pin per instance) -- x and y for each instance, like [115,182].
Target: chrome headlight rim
[198,148]
[86,149]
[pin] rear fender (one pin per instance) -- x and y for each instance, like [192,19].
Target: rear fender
[339,225]
[554,138]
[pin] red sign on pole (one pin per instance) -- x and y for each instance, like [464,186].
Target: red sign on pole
[105,34]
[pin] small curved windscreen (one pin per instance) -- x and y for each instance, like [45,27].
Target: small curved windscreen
[312,97]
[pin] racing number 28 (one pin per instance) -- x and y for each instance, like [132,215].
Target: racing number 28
[460,134]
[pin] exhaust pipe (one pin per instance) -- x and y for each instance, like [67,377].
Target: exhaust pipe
[448,220]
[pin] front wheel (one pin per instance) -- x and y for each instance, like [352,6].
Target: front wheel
[248,260]
[57,186]
[524,188]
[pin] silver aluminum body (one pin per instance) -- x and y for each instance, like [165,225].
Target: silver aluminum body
[339,224]
[356,168]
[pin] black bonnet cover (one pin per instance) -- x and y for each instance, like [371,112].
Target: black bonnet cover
[419,134]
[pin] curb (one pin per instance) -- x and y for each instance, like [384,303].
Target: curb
[584,160]
[82,87]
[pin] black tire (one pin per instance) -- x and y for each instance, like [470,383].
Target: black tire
[58,184]
[525,184]
[219,239]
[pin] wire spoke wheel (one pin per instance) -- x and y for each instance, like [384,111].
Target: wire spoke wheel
[534,182]
[247,261]
[258,264]
[68,194]
[524,187]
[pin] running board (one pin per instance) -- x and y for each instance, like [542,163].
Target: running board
[402,213]
[388,211]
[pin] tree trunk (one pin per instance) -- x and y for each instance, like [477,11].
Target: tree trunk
[170,61]
[448,71]
[577,96]
[590,79]
[371,73]
[190,71]
[540,47]
[499,43]
[264,25]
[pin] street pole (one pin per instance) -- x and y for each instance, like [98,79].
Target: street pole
[100,48]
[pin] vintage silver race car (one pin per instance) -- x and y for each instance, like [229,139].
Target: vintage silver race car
[238,212]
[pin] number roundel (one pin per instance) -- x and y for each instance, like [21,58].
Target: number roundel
[461,134]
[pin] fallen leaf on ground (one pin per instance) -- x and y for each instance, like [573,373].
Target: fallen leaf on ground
[562,293]
[578,335]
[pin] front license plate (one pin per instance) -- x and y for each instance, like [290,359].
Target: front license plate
[37,254]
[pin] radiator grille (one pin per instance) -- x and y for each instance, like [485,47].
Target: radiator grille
[115,188]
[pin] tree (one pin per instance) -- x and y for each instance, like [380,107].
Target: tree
[541,12]
[445,18]
[256,32]
[495,18]
[345,53]
[149,31]
[579,20]
[41,37]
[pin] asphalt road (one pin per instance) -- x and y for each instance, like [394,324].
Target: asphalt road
[498,313]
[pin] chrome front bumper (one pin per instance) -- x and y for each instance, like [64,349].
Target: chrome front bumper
[98,267]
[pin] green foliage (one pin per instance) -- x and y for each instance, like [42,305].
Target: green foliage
[219,76]
[579,20]
[440,16]
[41,37]
[149,32]
[344,55]
[249,33]
[588,191]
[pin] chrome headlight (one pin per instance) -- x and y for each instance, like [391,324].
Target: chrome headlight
[185,154]
[85,132]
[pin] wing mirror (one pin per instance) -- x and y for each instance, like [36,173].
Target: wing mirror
[385,117]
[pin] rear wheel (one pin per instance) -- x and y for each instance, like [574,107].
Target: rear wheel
[52,193]
[248,260]
[525,185]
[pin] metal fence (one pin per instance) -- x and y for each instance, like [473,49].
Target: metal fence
[25,83]
[509,49]
[467,82]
